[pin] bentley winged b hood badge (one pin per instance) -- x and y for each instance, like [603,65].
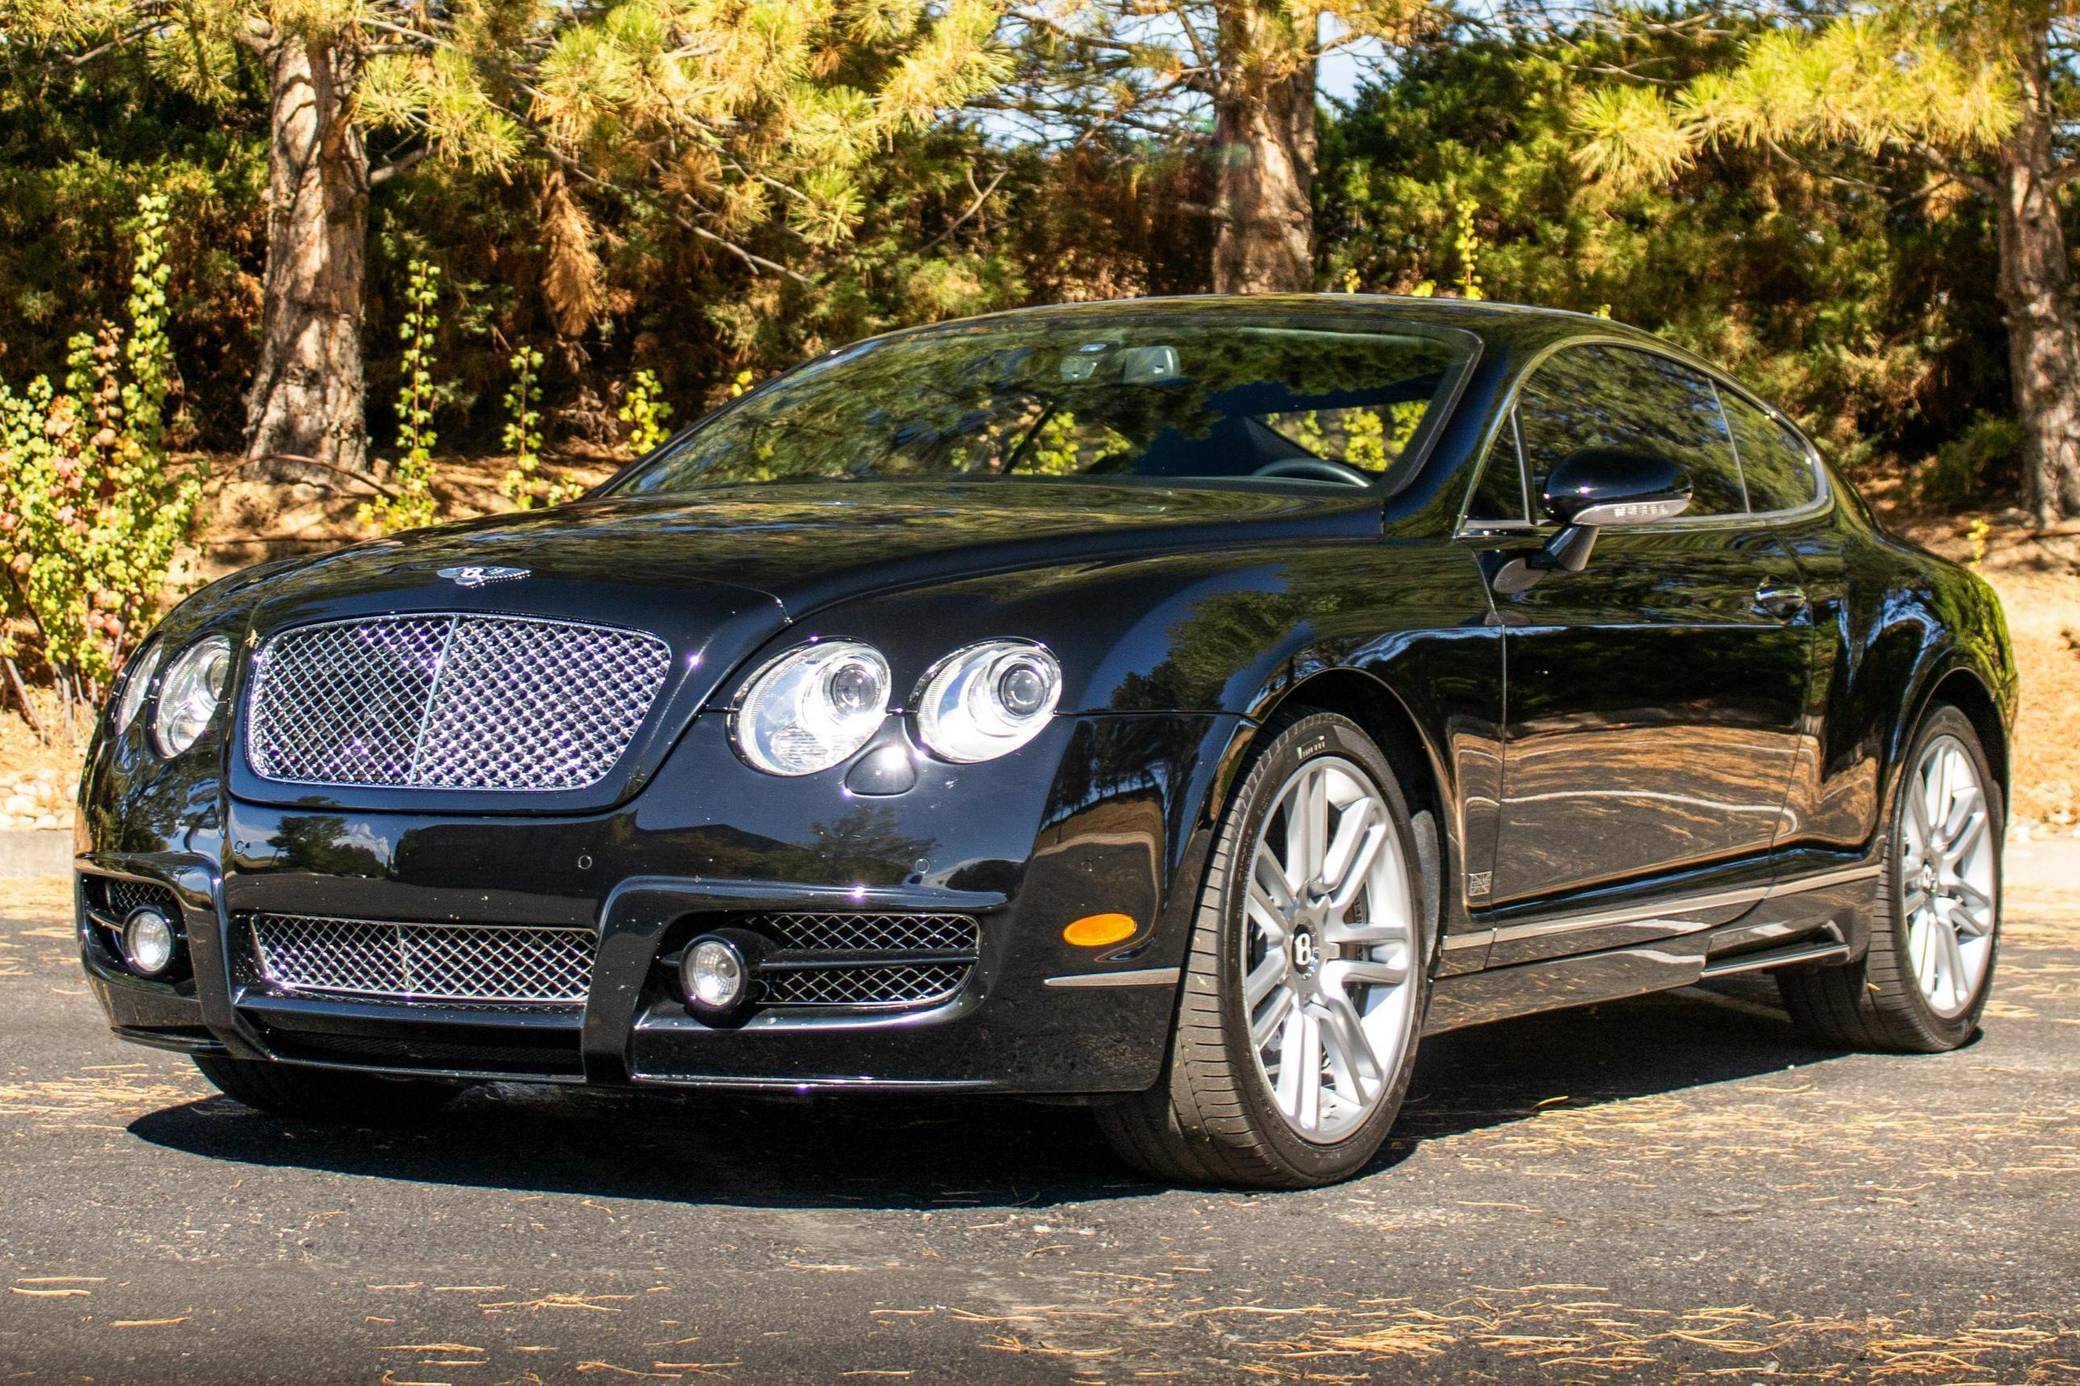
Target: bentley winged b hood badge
[482,575]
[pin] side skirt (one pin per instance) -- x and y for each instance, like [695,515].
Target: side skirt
[1815,918]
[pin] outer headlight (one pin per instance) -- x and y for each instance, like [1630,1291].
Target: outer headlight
[987,700]
[137,678]
[812,707]
[188,697]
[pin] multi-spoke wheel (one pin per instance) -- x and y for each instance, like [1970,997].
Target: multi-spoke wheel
[1304,987]
[1947,876]
[1328,914]
[1925,979]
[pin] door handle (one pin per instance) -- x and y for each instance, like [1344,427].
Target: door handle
[1782,600]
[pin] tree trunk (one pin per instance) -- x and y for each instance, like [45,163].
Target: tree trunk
[1264,137]
[2036,293]
[305,406]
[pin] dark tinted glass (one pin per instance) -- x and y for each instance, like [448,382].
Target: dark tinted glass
[1774,460]
[1499,495]
[1074,398]
[1601,396]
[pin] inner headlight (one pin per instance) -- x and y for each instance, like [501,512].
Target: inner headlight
[988,700]
[137,679]
[812,707]
[189,695]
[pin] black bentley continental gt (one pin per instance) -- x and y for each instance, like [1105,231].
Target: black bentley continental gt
[1180,707]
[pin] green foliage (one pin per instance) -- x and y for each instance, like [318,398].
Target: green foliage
[1963,468]
[1822,282]
[644,412]
[91,506]
[411,503]
[1902,76]
[1467,244]
[523,437]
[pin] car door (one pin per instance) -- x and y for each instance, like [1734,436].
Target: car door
[1653,701]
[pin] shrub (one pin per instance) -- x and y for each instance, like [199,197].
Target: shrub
[523,436]
[644,412]
[411,504]
[91,505]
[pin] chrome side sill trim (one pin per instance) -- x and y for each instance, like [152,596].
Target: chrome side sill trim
[1828,878]
[1142,977]
[1763,962]
[1671,910]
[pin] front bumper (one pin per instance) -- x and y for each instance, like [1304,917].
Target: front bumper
[1101,814]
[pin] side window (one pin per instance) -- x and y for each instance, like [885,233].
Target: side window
[1774,460]
[1603,396]
[1499,495]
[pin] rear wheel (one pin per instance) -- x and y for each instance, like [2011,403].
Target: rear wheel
[293,1090]
[1925,980]
[1304,987]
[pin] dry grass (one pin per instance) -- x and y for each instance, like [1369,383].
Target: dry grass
[2038,579]
[109,1095]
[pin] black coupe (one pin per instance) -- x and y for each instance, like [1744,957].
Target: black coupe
[1176,706]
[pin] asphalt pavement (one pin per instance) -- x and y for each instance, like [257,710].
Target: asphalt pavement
[1670,1188]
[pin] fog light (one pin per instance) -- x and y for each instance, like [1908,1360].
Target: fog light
[716,974]
[148,942]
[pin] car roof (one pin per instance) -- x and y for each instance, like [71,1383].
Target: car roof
[1521,325]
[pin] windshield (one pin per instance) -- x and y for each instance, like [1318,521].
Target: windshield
[1068,398]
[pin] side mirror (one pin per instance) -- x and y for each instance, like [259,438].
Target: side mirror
[1588,491]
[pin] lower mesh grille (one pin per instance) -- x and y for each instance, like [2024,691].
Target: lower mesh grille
[863,960]
[424,962]
[860,986]
[116,898]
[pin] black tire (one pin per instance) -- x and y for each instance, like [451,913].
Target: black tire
[1212,1119]
[293,1090]
[1875,1003]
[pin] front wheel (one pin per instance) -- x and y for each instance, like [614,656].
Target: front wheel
[1924,981]
[1304,987]
[293,1090]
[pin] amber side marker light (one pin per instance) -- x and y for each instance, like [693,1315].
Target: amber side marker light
[1097,930]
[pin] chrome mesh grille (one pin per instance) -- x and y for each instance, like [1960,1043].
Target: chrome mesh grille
[424,962]
[901,985]
[866,960]
[450,702]
[116,898]
[878,933]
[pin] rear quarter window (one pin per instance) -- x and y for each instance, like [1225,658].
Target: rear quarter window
[1774,460]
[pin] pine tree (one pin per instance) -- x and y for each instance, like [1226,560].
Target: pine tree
[1161,66]
[1982,94]
[735,114]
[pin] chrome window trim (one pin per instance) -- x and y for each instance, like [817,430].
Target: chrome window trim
[1823,495]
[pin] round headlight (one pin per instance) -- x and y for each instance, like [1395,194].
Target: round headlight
[189,694]
[988,700]
[812,707]
[137,681]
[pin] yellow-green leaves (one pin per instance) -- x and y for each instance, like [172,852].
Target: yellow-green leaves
[1865,81]
[91,505]
[410,503]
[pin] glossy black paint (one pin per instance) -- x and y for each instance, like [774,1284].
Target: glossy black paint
[1640,768]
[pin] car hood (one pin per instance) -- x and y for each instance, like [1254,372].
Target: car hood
[807,545]
[718,573]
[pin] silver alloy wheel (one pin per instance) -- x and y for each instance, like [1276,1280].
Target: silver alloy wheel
[1328,948]
[1948,893]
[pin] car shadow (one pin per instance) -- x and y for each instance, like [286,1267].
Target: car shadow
[883,1152]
